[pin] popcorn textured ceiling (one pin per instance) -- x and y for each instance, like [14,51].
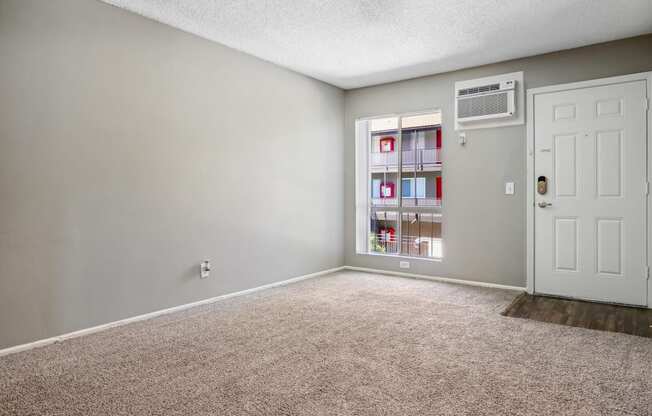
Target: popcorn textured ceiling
[359,43]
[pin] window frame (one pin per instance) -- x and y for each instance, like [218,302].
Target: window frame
[363,204]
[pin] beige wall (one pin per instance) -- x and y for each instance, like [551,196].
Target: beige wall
[483,229]
[130,151]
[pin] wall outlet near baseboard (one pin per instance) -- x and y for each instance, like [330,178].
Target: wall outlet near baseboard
[404,264]
[204,269]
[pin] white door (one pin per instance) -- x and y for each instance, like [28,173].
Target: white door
[590,240]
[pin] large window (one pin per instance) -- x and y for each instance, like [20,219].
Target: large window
[399,185]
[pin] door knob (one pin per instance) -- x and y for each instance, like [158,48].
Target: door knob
[544,204]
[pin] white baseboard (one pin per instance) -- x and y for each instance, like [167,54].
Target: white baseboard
[98,328]
[435,278]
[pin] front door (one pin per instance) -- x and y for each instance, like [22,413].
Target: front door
[590,150]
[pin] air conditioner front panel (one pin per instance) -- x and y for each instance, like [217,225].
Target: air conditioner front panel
[492,101]
[486,106]
[485,118]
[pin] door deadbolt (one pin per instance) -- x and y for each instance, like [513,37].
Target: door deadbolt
[542,185]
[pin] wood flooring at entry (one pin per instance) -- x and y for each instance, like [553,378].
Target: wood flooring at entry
[600,316]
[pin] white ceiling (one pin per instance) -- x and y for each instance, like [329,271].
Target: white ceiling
[351,43]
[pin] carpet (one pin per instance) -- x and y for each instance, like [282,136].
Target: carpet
[344,344]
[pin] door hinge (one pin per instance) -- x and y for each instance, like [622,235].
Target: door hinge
[647,272]
[646,103]
[646,187]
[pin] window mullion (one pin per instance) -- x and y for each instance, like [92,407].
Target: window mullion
[370,190]
[399,186]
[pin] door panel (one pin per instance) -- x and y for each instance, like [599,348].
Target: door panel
[566,244]
[590,241]
[609,166]
[605,108]
[565,165]
[610,246]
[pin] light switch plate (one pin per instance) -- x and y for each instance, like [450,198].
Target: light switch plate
[509,188]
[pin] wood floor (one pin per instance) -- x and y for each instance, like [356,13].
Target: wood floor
[614,318]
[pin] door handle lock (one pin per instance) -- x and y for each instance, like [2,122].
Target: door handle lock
[544,204]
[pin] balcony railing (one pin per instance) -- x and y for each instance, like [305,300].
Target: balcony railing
[384,159]
[407,202]
[422,202]
[410,157]
[386,202]
[411,245]
[421,246]
[422,157]
[381,243]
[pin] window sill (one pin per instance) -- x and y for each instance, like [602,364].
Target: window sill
[398,256]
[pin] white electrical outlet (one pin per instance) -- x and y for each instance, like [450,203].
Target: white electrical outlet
[404,264]
[204,269]
[509,188]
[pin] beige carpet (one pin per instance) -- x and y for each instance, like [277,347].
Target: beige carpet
[345,344]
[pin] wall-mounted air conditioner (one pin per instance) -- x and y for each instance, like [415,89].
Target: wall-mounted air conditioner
[489,102]
[485,102]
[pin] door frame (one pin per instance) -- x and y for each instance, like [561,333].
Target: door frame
[529,149]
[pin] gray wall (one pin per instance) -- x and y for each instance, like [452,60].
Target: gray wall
[130,151]
[484,230]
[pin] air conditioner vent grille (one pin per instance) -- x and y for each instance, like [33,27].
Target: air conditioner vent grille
[483,105]
[478,90]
